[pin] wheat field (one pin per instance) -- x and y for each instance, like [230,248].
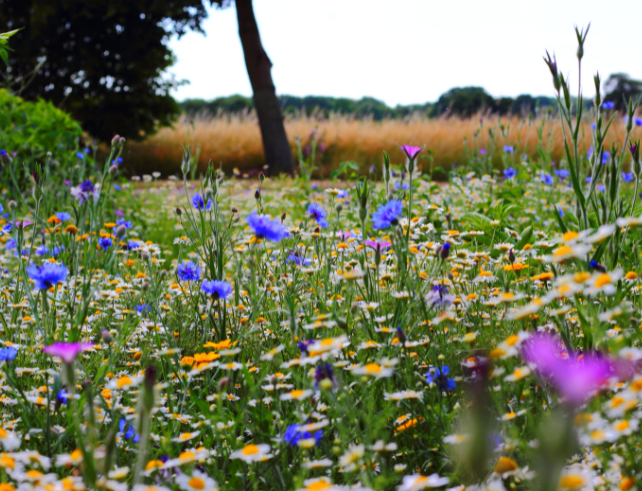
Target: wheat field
[235,141]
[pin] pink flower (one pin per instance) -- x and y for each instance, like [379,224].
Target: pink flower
[343,236]
[22,224]
[377,245]
[67,352]
[411,151]
[575,377]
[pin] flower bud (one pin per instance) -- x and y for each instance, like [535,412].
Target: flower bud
[445,250]
[107,337]
[235,210]
[257,195]
[12,205]
[185,165]
[121,231]
[511,256]
[113,170]
[115,140]
[5,157]
[339,208]
[178,212]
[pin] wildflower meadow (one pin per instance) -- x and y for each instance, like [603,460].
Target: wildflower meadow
[360,333]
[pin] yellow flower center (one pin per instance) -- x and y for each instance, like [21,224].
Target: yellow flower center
[196,483]
[250,449]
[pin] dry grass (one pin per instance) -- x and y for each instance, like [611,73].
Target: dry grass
[235,141]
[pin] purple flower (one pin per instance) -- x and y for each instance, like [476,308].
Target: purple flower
[317,212]
[216,288]
[439,377]
[84,190]
[387,214]
[67,352]
[561,173]
[188,271]
[482,151]
[377,245]
[47,275]
[508,148]
[576,377]
[411,151]
[265,227]
[546,178]
[628,176]
[105,243]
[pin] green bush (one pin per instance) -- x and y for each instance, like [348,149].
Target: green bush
[28,130]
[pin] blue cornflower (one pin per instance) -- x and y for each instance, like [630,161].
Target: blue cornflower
[142,307]
[608,105]
[561,173]
[133,244]
[188,271]
[105,242]
[292,435]
[387,214]
[63,216]
[7,354]
[80,155]
[199,203]
[42,250]
[588,180]
[116,187]
[216,288]
[547,178]
[323,371]
[343,193]
[508,148]
[11,244]
[317,212]
[57,250]
[593,126]
[128,428]
[298,260]
[606,156]
[628,176]
[560,211]
[304,344]
[405,185]
[47,275]
[7,228]
[265,227]
[601,188]
[62,396]
[117,161]
[637,121]
[510,173]
[440,378]
[125,223]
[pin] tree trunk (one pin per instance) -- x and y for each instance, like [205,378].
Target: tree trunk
[276,148]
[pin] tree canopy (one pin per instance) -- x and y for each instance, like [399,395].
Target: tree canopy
[101,60]
[619,88]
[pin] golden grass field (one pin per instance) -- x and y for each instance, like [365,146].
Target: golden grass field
[235,140]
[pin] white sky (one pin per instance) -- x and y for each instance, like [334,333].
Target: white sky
[412,51]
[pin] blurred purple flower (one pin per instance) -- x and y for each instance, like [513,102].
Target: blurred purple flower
[575,377]
[411,151]
[67,352]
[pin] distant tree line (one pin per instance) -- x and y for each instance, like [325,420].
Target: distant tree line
[461,101]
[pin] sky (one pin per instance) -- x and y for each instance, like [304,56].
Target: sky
[412,51]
